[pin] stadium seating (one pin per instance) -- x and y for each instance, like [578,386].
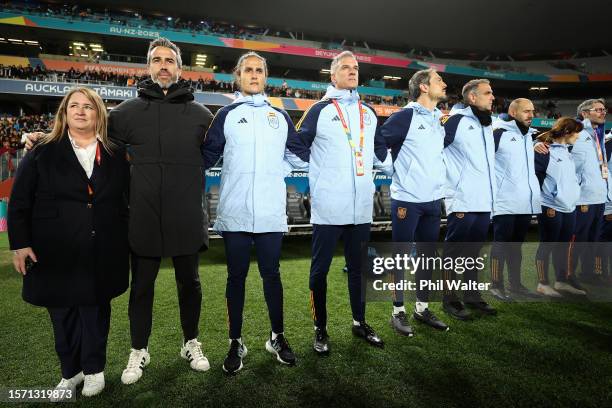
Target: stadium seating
[296,211]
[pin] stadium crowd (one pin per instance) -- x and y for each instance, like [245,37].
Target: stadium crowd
[76,12]
[39,73]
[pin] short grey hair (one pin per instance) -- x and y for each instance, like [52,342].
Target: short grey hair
[336,61]
[471,87]
[164,42]
[419,78]
[240,63]
[588,104]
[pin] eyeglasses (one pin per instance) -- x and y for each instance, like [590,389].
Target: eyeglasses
[598,110]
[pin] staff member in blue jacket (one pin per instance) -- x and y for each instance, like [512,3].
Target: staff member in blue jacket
[416,138]
[251,134]
[518,195]
[589,154]
[338,137]
[471,187]
[606,230]
[556,173]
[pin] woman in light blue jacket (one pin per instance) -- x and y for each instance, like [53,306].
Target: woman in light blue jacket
[556,173]
[251,135]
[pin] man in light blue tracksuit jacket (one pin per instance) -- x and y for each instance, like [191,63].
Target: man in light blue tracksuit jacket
[251,135]
[339,139]
[606,230]
[471,186]
[517,198]
[589,154]
[416,138]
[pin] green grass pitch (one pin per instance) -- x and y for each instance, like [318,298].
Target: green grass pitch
[537,355]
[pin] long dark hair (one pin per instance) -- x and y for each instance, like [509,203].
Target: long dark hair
[564,126]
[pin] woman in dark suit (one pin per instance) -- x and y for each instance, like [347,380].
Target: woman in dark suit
[67,221]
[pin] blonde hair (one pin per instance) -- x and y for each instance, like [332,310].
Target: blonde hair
[61,123]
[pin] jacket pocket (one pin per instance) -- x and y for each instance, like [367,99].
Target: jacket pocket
[45,212]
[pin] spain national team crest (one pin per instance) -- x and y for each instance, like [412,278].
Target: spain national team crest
[459,215]
[273,120]
[550,213]
[367,120]
[401,213]
[584,208]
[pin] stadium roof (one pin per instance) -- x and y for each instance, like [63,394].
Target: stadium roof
[468,26]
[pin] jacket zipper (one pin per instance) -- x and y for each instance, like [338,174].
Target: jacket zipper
[484,140]
[353,169]
[528,172]
[254,126]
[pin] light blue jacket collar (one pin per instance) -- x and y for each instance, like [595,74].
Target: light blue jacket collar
[511,126]
[423,110]
[342,95]
[253,100]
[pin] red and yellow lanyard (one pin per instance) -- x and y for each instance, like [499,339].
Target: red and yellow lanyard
[347,131]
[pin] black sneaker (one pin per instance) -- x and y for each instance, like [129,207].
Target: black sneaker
[520,290]
[427,317]
[321,341]
[572,281]
[364,331]
[280,348]
[482,307]
[399,323]
[233,360]
[500,294]
[456,309]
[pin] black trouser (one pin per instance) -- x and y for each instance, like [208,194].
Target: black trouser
[416,223]
[509,232]
[471,228]
[606,236]
[238,254]
[324,240]
[81,334]
[556,229]
[589,220]
[140,310]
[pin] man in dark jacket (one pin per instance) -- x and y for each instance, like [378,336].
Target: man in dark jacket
[164,128]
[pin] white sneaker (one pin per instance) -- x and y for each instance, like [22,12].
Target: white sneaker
[94,384]
[566,287]
[138,360]
[547,290]
[67,384]
[192,352]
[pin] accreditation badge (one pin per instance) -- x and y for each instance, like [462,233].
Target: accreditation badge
[359,167]
[604,172]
